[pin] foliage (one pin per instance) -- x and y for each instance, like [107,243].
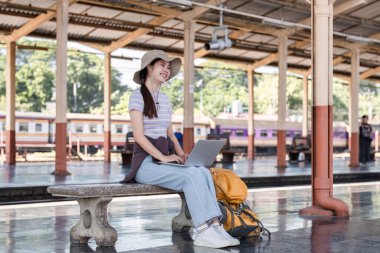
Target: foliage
[216,83]
[35,79]
[174,90]
[369,101]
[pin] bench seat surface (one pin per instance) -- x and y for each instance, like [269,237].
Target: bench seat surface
[97,190]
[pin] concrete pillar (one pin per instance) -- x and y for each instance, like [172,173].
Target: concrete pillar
[281,128]
[61,89]
[322,121]
[107,106]
[10,117]
[188,67]
[354,108]
[304,106]
[251,113]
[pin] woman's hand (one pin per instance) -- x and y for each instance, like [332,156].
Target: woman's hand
[184,157]
[172,158]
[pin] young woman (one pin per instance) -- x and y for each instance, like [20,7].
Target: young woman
[150,112]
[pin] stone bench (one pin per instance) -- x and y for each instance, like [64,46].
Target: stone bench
[93,200]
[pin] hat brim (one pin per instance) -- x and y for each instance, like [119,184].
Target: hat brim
[175,66]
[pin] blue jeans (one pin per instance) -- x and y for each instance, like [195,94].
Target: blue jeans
[195,182]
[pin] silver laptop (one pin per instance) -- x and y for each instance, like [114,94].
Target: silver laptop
[203,154]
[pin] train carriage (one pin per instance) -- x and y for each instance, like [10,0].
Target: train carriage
[83,129]
[266,132]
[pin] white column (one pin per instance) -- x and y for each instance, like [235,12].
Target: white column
[251,113]
[61,88]
[304,106]
[354,108]
[107,106]
[188,69]
[10,96]
[322,117]
[281,129]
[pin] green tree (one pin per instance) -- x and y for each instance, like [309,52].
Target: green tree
[174,90]
[265,94]
[85,83]
[222,84]
[35,82]
[369,101]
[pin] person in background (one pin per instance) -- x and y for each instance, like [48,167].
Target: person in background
[151,111]
[365,139]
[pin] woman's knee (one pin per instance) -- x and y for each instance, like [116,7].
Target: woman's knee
[196,174]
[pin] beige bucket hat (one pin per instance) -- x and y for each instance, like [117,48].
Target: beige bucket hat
[175,63]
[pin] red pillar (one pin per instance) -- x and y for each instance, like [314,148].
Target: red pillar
[188,72]
[60,149]
[281,148]
[281,111]
[10,147]
[107,107]
[324,204]
[61,90]
[188,139]
[10,117]
[251,113]
[354,150]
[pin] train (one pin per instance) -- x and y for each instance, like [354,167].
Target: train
[86,129]
[33,128]
[265,132]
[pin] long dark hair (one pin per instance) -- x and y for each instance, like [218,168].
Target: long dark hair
[150,110]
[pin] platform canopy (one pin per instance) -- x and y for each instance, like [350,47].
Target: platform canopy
[254,27]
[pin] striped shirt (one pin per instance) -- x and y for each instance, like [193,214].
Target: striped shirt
[154,127]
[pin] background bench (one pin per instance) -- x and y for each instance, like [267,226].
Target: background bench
[93,200]
[227,151]
[127,153]
[300,144]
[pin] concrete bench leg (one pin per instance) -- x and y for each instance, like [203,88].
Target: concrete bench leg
[182,222]
[94,223]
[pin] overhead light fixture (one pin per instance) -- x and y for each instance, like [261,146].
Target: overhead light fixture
[277,23]
[179,2]
[221,42]
[358,39]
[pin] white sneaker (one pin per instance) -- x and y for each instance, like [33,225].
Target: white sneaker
[211,238]
[223,232]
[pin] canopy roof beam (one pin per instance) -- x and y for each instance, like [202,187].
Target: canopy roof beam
[34,23]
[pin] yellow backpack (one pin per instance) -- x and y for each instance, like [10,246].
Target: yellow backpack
[238,218]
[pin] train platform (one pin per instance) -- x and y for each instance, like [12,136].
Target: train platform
[28,181]
[144,224]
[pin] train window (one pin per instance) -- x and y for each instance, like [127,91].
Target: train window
[2,126]
[23,127]
[263,133]
[199,131]
[289,134]
[226,131]
[298,134]
[239,132]
[79,128]
[274,133]
[93,128]
[38,127]
[119,129]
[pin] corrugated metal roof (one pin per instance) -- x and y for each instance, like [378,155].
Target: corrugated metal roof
[104,33]
[105,21]
[35,3]
[12,21]
[102,12]
[135,17]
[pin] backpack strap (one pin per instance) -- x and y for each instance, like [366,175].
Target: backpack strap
[264,231]
[232,216]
